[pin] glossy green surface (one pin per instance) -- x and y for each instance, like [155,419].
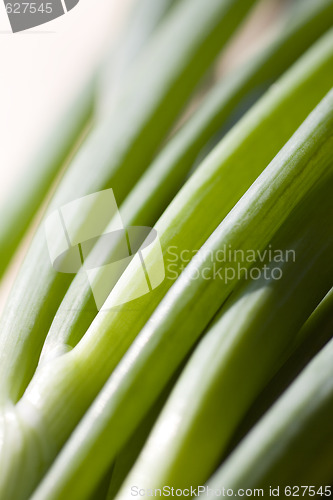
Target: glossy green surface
[176,324]
[115,155]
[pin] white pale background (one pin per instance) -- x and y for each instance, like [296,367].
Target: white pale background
[41,69]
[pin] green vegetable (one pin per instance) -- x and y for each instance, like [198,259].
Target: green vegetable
[159,184]
[241,351]
[81,391]
[116,154]
[312,337]
[171,331]
[127,457]
[145,18]
[22,204]
[293,443]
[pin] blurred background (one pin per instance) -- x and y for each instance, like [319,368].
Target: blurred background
[43,68]
[40,71]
